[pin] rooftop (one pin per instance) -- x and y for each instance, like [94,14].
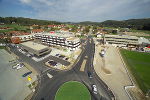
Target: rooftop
[122,36]
[57,34]
[73,39]
[23,35]
[34,45]
[37,30]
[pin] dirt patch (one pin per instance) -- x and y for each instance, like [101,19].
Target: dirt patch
[105,70]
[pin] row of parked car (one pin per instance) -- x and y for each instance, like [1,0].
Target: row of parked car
[62,57]
[26,53]
[19,66]
[52,63]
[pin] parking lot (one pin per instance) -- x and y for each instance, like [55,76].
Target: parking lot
[14,86]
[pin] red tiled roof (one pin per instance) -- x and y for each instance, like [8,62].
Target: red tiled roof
[56,25]
[16,33]
[37,30]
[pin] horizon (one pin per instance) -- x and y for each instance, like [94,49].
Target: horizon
[76,22]
[76,11]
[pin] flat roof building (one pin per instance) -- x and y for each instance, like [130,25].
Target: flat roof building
[124,40]
[59,39]
[35,48]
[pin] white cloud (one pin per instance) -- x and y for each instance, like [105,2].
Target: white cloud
[82,10]
[25,1]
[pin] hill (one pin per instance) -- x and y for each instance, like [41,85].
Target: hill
[140,24]
[25,21]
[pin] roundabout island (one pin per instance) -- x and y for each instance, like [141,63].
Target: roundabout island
[73,90]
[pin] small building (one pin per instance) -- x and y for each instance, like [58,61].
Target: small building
[35,48]
[15,40]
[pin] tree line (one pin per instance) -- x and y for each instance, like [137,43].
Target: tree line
[26,21]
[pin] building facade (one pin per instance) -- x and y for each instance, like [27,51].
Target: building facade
[59,39]
[35,48]
[124,40]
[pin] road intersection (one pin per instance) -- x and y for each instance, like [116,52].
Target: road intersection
[48,87]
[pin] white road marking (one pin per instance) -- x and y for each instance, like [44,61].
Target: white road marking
[49,75]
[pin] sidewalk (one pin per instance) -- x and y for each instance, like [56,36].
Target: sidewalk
[111,70]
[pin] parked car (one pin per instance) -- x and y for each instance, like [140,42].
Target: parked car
[20,66]
[52,63]
[61,56]
[89,74]
[94,89]
[28,55]
[26,74]
[15,66]
[66,58]
[57,55]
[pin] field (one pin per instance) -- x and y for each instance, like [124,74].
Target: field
[143,31]
[73,91]
[14,27]
[2,47]
[139,65]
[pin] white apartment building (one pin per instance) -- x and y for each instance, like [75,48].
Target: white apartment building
[124,40]
[59,39]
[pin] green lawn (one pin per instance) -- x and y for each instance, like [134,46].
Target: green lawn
[2,47]
[14,27]
[147,37]
[73,91]
[144,31]
[139,64]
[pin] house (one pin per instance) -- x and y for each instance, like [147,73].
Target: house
[17,33]
[55,26]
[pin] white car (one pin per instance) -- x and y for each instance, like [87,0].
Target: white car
[20,66]
[94,88]
[14,67]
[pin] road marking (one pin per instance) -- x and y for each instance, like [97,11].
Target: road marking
[83,65]
[49,75]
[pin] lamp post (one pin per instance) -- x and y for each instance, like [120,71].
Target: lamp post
[29,79]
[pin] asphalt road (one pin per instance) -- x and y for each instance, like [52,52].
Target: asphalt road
[47,87]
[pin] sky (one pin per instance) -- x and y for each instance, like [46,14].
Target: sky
[76,10]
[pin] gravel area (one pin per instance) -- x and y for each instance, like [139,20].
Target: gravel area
[112,71]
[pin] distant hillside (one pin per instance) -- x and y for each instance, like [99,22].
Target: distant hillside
[140,24]
[131,23]
[89,23]
[25,21]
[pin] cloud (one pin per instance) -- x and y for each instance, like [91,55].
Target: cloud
[25,1]
[84,10]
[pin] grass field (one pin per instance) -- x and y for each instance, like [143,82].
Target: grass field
[144,31]
[73,91]
[139,64]
[2,47]
[14,27]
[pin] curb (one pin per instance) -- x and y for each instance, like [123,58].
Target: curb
[128,86]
